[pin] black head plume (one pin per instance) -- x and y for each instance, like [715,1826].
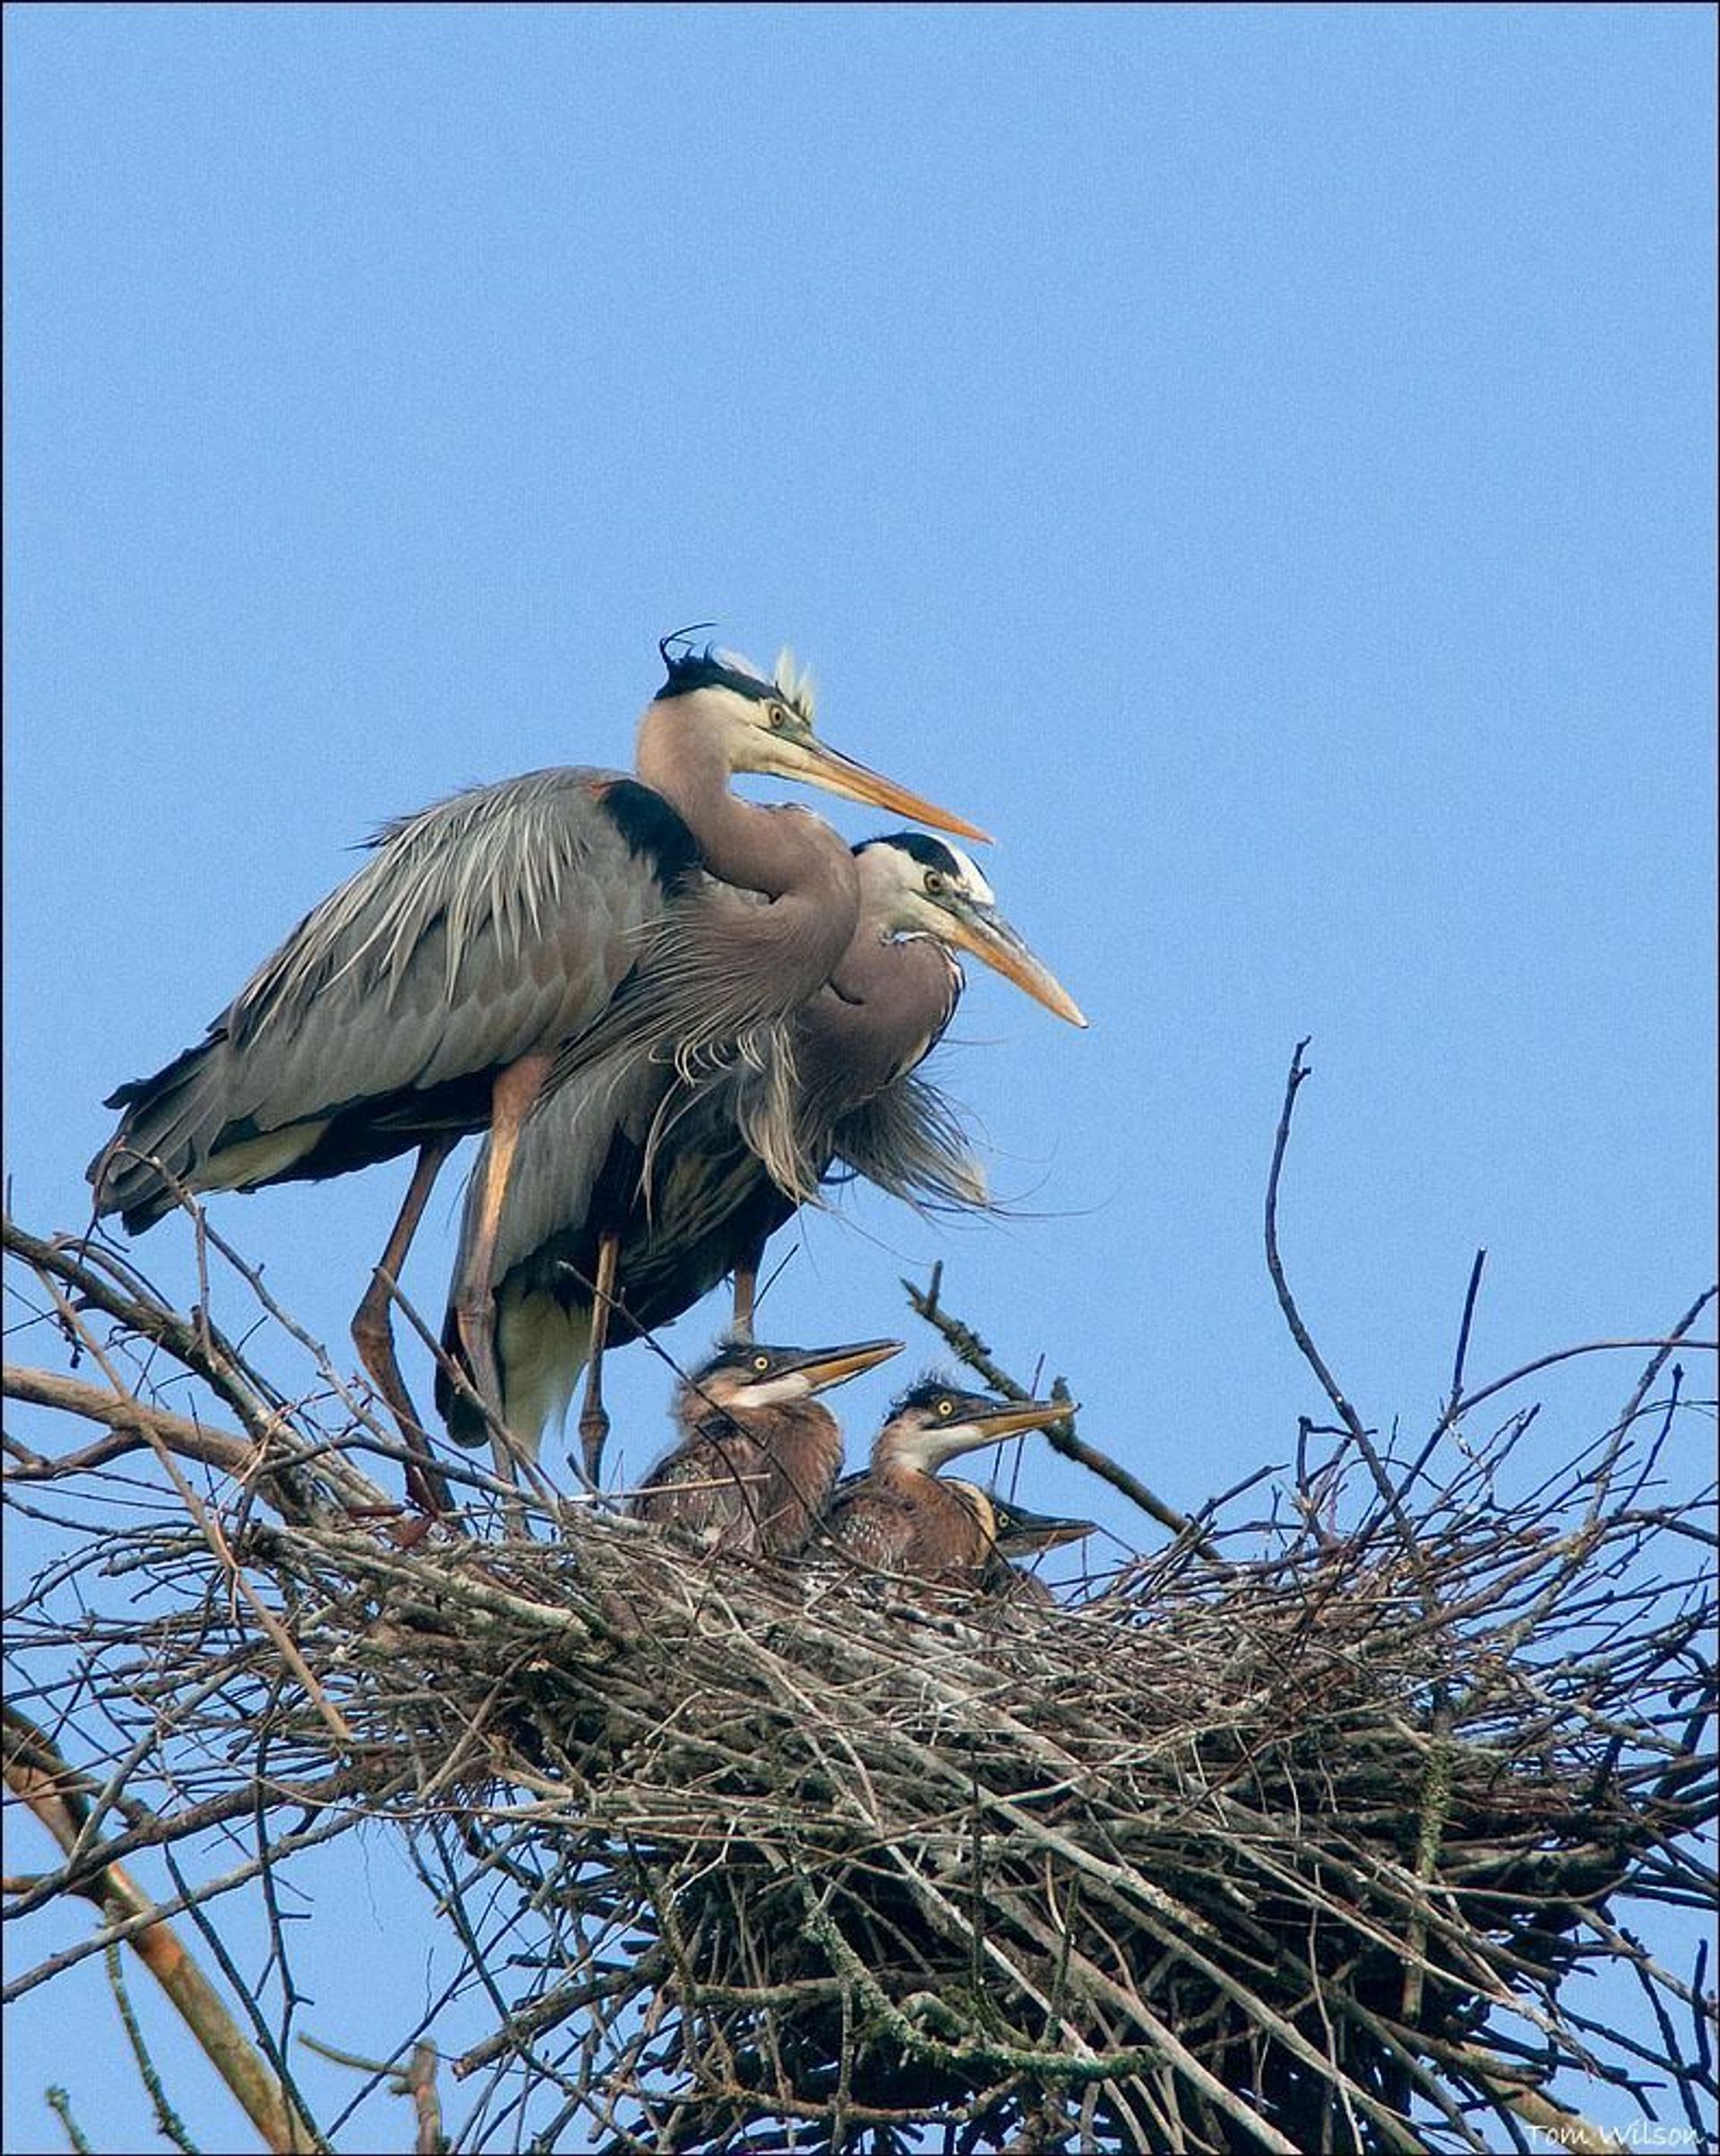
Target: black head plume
[921,846]
[693,666]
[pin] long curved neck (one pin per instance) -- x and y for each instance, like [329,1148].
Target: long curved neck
[757,849]
[887,1003]
[775,955]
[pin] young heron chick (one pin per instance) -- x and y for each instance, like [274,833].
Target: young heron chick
[900,1517]
[759,1452]
[1013,1532]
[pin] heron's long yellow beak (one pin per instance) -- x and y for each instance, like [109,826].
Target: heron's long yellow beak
[984,931]
[822,1367]
[815,762]
[979,1420]
[1020,1415]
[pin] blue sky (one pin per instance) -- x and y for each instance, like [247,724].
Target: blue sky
[1259,462]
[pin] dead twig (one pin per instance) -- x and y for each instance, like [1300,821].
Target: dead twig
[37,1774]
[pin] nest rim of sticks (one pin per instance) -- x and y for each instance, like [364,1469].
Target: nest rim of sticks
[1289,1835]
[1237,1848]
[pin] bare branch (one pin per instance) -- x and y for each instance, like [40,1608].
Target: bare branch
[971,1349]
[36,1774]
[1305,1844]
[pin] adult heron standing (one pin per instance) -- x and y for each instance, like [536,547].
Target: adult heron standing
[429,996]
[694,1186]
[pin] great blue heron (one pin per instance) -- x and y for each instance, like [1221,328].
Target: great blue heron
[689,1183]
[759,1455]
[1008,1531]
[429,995]
[901,1517]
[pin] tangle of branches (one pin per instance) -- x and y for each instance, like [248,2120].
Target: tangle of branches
[1292,1835]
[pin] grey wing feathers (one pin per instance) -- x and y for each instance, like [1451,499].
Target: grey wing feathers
[479,929]
[490,924]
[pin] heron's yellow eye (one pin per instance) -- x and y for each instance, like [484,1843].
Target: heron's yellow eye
[778,718]
[946,1408]
[934,883]
[761,1363]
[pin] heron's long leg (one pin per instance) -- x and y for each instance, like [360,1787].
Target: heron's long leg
[372,1328]
[474,1297]
[746,1290]
[594,1420]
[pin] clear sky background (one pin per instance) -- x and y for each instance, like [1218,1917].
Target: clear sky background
[1259,462]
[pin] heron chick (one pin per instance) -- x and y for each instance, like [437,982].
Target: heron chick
[900,1516]
[1013,1532]
[759,1452]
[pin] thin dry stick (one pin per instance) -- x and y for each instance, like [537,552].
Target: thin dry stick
[60,2103]
[129,1419]
[139,1311]
[417,2078]
[1434,1789]
[1467,1320]
[424,1482]
[167,2118]
[135,1424]
[971,1349]
[213,1533]
[36,1773]
[1299,1332]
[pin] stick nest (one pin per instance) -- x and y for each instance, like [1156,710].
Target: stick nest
[1291,1836]
[1230,1855]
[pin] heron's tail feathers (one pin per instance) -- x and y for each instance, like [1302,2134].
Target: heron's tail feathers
[183,1126]
[173,1119]
[459,1414]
